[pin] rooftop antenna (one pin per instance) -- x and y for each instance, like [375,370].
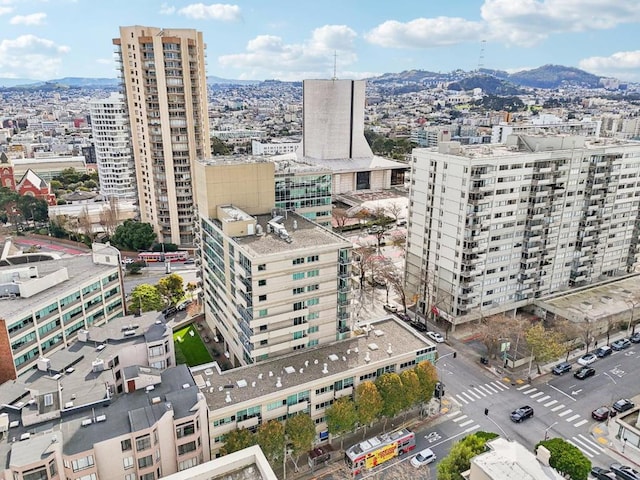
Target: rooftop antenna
[335,64]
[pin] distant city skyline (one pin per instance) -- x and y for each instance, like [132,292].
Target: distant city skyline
[286,40]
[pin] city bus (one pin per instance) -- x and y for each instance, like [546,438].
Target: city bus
[372,452]
[151,257]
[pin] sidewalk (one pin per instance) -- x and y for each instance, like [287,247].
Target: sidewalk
[605,433]
[414,421]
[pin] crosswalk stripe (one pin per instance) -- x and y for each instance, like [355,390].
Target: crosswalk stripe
[558,407]
[594,445]
[499,386]
[480,392]
[469,396]
[471,392]
[488,389]
[461,417]
[462,399]
[535,395]
[596,450]
[453,414]
[523,387]
[506,387]
[572,418]
[464,424]
[566,412]
[542,399]
[581,449]
[552,402]
[580,423]
[531,390]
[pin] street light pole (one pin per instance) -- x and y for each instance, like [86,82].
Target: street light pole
[486,412]
[546,430]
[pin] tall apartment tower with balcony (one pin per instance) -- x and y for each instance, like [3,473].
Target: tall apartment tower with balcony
[274,282]
[112,141]
[493,228]
[164,83]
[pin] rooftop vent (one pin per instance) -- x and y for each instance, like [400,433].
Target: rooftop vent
[324,368]
[68,405]
[185,386]
[278,382]
[289,369]
[373,346]
[259,376]
[606,299]
[389,351]
[333,357]
[150,388]
[128,333]
[270,373]
[378,333]
[227,399]
[241,383]
[367,358]
[86,422]
[101,418]
[97,365]
[155,400]
[101,347]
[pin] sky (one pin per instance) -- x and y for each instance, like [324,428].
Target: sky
[298,39]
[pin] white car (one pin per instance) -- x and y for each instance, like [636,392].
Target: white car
[587,359]
[435,336]
[424,457]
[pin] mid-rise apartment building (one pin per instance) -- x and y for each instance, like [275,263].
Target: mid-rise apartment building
[164,79]
[111,138]
[492,228]
[307,381]
[111,405]
[274,281]
[44,304]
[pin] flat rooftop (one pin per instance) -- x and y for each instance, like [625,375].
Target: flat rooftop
[596,302]
[81,270]
[387,338]
[302,232]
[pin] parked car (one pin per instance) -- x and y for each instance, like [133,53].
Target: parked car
[624,472]
[390,308]
[602,474]
[424,457]
[522,413]
[584,372]
[602,413]
[169,312]
[403,316]
[435,336]
[184,304]
[635,338]
[587,359]
[604,351]
[189,261]
[561,368]
[421,327]
[621,344]
[623,405]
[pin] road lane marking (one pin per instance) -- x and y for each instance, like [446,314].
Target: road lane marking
[536,395]
[523,387]
[466,403]
[555,409]
[542,399]
[566,412]
[468,396]
[499,386]
[580,423]
[488,389]
[591,442]
[464,424]
[552,402]
[572,418]
[461,417]
[563,393]
[581,449]
[531,390]
[480,392]
[592,447]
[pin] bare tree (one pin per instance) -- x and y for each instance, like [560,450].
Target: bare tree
[340,216]
[586,330]
[568,331]
[394,209]
[395,281]
[84,224]
[363,262]
[497,329]
[109,216]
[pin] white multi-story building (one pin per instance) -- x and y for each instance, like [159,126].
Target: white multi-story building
[492,228]
[164,79]
[546,124]
[111,137]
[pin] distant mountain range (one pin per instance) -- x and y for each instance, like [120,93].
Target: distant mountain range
[492,81]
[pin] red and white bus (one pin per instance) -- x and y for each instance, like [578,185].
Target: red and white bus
[151,257]
[372,452]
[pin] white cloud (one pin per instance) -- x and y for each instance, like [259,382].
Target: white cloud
[215,11]
[267,56]
[426,32]
[623,65]
[166,9]
[32,19]
[5,10]
[28,56]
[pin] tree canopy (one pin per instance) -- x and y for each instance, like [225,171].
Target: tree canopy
[171,288]
[567,459]
[300,430]
[427,377]
[390,387]
[368,403]
[134,236]
[270,437]
[147,297]
[545,345]
[237,440]
[341,416]
[459,458]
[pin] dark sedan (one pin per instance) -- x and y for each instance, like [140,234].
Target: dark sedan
[624,472]
[602,413]
[421,327]
[623,405]
[584,372]
[522,413]
[602,474]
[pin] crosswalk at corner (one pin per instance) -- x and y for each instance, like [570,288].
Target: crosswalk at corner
[586,445]
[463,421]
[477,392]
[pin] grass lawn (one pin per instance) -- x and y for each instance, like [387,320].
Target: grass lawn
[190,348]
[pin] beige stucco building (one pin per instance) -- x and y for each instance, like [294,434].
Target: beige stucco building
[164,78]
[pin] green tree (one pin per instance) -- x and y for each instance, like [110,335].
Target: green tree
[218,147]
[301,431]
[410,388]
[171,287]
[368,403]
[135,267]
[237,440]
[270,437]
[133,236]
[390,387]
[567,459]
[32,208]
[427,377]
[341,417]
[545,345]
[147,297]
[459,458]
